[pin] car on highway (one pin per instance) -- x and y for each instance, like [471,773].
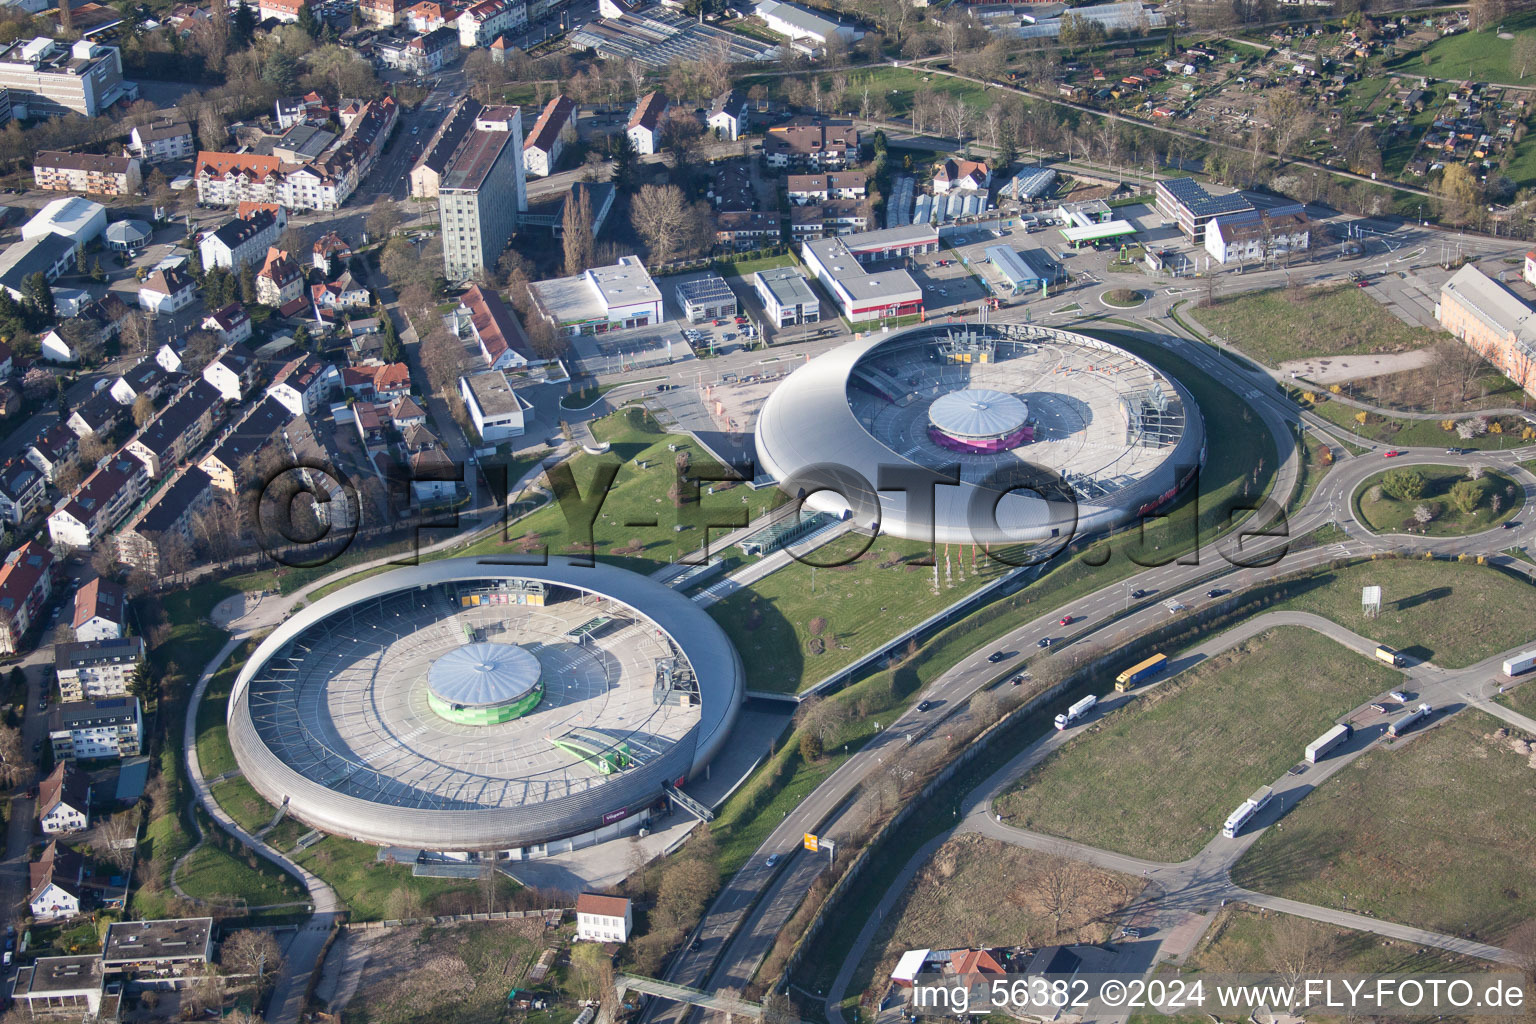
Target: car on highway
[1043,642]
[773,859]
[1138,594]
[1018,680]
[925,705]
[1066,620]
[1510,525]
[1215,592]
[695,945]
[996,656]
[1456,451]
[1391,453]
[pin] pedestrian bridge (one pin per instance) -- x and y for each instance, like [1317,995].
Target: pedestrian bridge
[683,994]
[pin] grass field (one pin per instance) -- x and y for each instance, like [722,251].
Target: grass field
[1480,56]
[1451,613]
[1245,939]
[857,606]
[1522,698]
[1410,433]
[213,753]
[638,496]
[1215,734]
[980,892]
[217,875]
[366,884]
[1385,514]
[1281,324]
[1388,835]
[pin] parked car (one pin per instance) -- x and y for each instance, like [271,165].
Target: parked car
[1400,696]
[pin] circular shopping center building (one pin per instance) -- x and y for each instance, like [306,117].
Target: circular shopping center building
[468,705]
[981,434]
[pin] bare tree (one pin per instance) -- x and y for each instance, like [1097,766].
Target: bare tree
[252,953]
[576,230]
[1057,886]
[1296,947]
[116,836]
[660,216]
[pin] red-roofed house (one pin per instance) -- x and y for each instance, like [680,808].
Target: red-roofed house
[645,122]
[358,381]
[342,293]
[166,291]
[972,968]
[26,581]
[391,381]
[555,127]
[300,385]
[969,175]
[101,609]
[279,280]
[602,918]
[496,330]
[232,324]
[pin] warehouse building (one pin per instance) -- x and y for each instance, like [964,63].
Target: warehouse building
[787,297]
[76,219]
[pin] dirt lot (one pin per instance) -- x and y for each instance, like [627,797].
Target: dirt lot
[424,974]
[977,891]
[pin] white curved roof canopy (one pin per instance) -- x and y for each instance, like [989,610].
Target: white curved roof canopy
[813,443]
[978,412]
[484,675]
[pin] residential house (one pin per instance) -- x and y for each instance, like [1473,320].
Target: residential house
[167,290]
[178,429]
[645,122]
[728,115]
[56,889]
[232,372]
[342,293]
[603,918]
[88,669]
[482,23]
[233,459]
[64,801]
[746,229]
[279,281]
[102,500]
[811,144]
[52,449]
[300,385]
[26,582]
[242,240]
[86,172]
[231,325]
[22,491]
[495,328]
[96,415]
[101,610]
[328,251]
[146,377]
[961,175]
[55,984]
[169,138]
[90,729]
[816,188]
[555,127]
[406,415]
[158,539]
[391,381]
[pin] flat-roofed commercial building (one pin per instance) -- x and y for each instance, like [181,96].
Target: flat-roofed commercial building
[838,264]
[1025,271]
[601,299]
[706,298]
[787,297]
[481,193]
[1492,321]
[494,407]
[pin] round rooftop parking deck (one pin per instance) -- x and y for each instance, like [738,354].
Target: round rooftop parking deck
[340,711]
[1050,433]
